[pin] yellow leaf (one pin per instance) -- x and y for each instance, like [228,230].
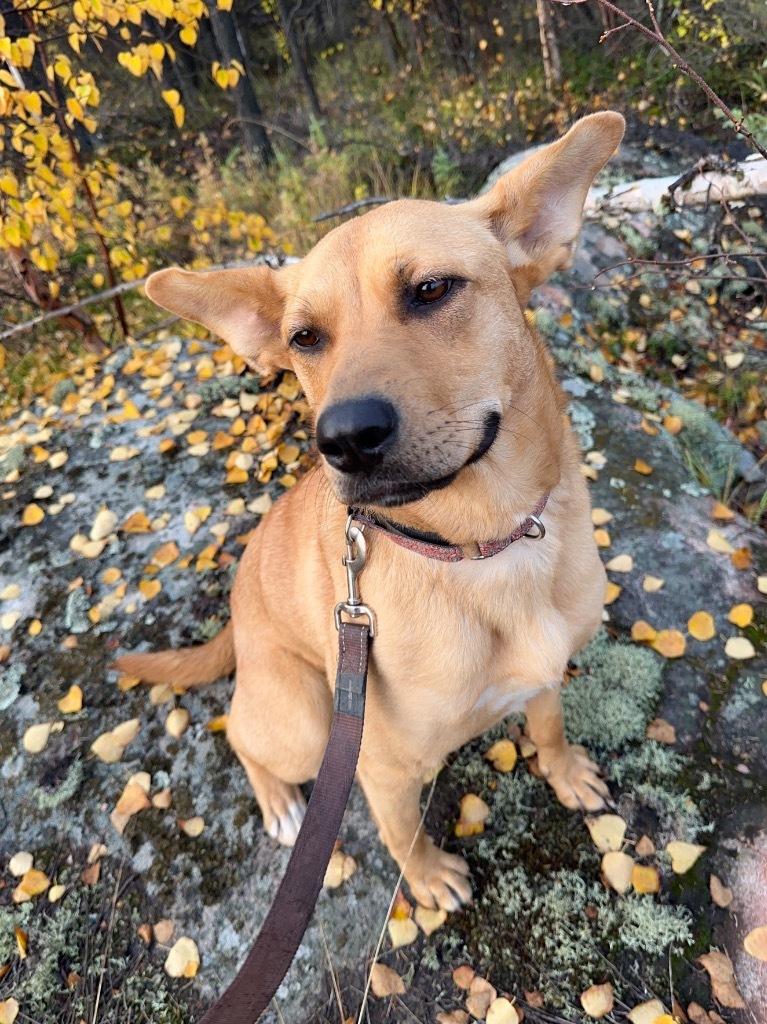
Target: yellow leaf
[503,754]
[617,868]
[720,511]
[741,615]
[72,702]
[600,516]
[217,724]
[32,515]
[643,632]
[236,476]
[652,584]
[429,920]
[34,882]
[621,563]
[645,879]
[172,97]
[598,1000]
[178,116]
[402,932]
[150,588]
[607,832]
[642,467]
[9,1011]
[612,592]
[138,522]
[183,960]
[165,555]
[755,943]
[673,424]
[670,643]
[683,855]
[474,813]
[602,538]
[383,980]
[739,648]
[719,543]
[221,77]
[188,35]
[741,558]
[701,626]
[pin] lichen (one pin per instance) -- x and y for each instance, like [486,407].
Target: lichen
[69,785]
[546,323]
[61,389]
[227,387]
[610,703]
[10,685]
[13,458]
[583,422]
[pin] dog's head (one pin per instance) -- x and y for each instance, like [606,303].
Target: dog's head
[406,330]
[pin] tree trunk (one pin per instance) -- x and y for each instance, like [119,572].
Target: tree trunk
[287,19]
[552,67]
[230,47]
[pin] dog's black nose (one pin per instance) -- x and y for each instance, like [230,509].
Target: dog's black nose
[353,436]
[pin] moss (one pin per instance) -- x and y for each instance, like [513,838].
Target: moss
[228,387]
[61,390]
[546,323]
[84,934]
[610,703]
[713,454]
[583,422]
[13,459]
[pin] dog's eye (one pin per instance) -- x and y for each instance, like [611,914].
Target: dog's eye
[432,291]
[305,339]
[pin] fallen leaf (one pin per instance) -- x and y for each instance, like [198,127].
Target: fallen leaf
[192,827]
[429,920]
[501,1011]
[163,930]
[385,982]
[9,1011]
[607,832]
[402,932]
[183,960]
[720,893]
[670,643]
[36,737]
[647,1013]
[162,800]
[72,702]
[642,467]
[32,515]
[124,452]
[34,882]
[165,555]
[721,512]
[602,538]
[177,722]
[598,1000]
[672,424]
[503,754]
[661,731]
[601,517]
[474,814]
[652,584]
[741,615]
[761,584]
[138,522]
[755,943]
[720,970]
[739,648]
[645,879]
[20,863]
[22,941]
[732,360]
[719,543]
[463,976]
[103,525]
[150,588]
[741,558]
[701,626]
[452,1017]
[643,632]
[217,724]
[340,868]
[683,855]
[56,892]
[12,591]
[481,995]
[612,592]
[617,868]
[621,563]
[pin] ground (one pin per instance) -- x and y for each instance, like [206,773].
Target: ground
[187,453]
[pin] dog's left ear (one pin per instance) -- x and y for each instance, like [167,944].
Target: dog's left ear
[536,209]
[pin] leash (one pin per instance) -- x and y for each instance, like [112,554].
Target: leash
[272,954]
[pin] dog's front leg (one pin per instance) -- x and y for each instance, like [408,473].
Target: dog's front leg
[567,768]
[435,878]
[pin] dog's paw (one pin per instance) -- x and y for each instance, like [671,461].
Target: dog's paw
[283,814]
[575,779]
[440,880]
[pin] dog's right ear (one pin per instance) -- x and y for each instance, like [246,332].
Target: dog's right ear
[244,307]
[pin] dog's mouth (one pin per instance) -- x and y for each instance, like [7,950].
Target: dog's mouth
[391,493]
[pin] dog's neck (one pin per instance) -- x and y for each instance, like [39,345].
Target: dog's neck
[432,545]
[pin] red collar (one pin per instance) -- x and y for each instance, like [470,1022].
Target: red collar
[431,545]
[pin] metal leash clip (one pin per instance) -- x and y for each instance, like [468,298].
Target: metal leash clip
[354,562]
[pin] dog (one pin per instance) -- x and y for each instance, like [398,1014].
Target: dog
[439,417]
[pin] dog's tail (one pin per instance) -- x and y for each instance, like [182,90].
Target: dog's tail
[191,666]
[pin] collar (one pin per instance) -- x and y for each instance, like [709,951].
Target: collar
[431,545]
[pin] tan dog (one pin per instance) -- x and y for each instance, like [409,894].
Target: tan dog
[437,408]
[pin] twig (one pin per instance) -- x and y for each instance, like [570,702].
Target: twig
[656,36]
[359,205]
[90,300]
[417,833]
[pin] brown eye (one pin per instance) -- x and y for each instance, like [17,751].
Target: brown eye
[305,339]
[432,291]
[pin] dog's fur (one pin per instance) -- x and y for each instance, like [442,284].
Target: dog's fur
[459,645]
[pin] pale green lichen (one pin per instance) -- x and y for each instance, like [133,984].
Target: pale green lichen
[583,422]
[10,685]
[13,458]
[610,702]
[68,787]
[61,389]
[227,387]
[546,323]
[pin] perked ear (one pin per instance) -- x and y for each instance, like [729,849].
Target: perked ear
[536,209]
[242,306]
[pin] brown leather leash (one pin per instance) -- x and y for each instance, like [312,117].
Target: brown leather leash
[272,954]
